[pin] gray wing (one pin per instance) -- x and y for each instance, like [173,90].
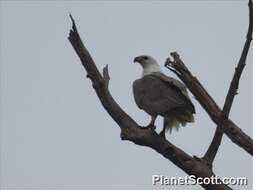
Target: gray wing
[158,96]
[177,85]
[139,92]
[173,81]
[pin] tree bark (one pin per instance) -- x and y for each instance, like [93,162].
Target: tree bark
[131,131]
[234,85]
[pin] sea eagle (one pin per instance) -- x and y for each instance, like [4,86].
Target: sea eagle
[158,94]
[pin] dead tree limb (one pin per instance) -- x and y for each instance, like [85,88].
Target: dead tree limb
[216,114]
[234,85]
[130,130]
[206,101]
[210,106]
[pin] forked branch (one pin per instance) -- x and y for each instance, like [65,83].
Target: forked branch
[130,130]
[210,106]
[234,85]
[220,117]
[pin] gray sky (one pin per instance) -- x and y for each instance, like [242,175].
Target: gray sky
[54,133]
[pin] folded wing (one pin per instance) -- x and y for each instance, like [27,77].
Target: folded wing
[159,94]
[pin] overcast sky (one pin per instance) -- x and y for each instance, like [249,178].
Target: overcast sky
[54,133]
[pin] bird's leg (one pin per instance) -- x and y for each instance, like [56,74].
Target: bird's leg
[151,125]
[162,133]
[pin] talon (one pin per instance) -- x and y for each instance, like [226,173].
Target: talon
[151,127]
[162,134]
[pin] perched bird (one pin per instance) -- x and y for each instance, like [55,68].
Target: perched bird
[158,94]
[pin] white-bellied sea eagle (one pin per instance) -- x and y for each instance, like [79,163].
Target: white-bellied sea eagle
[158,94]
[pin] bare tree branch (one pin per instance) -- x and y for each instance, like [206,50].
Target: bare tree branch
[130,130]
[214,146]
[206,101]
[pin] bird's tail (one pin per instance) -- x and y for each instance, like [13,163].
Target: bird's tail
[175,122]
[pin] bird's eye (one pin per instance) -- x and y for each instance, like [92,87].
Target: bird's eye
[145,57]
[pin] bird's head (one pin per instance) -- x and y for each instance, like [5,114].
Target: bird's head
[148,63]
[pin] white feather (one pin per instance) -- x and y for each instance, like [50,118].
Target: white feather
[150,66]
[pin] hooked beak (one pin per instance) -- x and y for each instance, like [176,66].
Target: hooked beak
[137,59]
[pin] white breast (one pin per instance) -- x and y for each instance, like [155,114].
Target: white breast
[150,68]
